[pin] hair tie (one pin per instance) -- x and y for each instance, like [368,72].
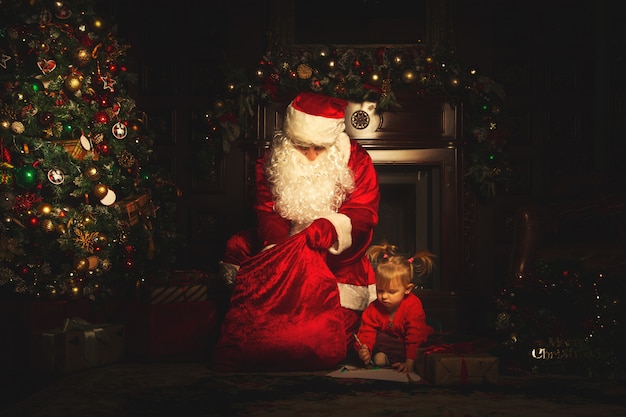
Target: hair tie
[411,259]
[385,256]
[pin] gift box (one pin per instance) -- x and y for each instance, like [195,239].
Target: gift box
[77,345]
[177,294]
[135,207]
[19,319]
[443,365]
[169,329]
[75,148]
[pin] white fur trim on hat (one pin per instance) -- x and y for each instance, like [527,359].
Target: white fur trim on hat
[315,119]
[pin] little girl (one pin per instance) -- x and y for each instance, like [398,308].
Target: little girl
[394,325]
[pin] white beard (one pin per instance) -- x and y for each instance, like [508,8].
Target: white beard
[307,190]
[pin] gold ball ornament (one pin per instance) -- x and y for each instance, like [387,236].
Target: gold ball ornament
[47,225]
[100,191]
[375,78]
[5,124]
[17,127]
[82,56]
[304,71]
[219,105]
[397,61]
[73,83]
[92,172]
[408,76]
[44,209]
[81,264]
[97,24]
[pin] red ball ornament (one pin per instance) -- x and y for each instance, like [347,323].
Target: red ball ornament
[101,117]
[33,222]
[23,270]
[129,264]
[103,148]
[46,118]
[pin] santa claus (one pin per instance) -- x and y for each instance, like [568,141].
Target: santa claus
[301,282]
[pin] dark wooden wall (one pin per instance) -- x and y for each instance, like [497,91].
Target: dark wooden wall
[561,65]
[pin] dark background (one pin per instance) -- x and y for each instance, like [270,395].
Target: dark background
[560,63]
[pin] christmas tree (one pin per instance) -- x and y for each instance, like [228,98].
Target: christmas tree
[84,207]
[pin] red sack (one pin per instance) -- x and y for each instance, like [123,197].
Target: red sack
[284,313]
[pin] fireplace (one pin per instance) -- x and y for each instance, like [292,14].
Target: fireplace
[410,212]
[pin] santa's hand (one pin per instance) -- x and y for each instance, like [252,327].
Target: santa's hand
[321,234]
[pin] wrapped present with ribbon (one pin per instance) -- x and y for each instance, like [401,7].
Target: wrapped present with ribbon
[77,345]
[137,208]
[456,364]
[178,294]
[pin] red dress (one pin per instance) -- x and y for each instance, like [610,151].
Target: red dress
[408,328]
[274,320]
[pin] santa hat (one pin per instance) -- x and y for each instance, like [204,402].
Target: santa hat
[315,119]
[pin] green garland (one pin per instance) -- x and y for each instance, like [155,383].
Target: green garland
[372,74]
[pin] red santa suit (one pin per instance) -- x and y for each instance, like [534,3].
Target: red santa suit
[290,246]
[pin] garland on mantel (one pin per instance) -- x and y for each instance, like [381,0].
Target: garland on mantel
[372,74]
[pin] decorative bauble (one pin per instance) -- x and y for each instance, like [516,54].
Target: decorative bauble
[75,290]
[101,117]
[136,126]
[92,262]
[109,198]
[47,225]
[5,124]
[128,263]
[73,83]
[375,78]
[44,209]
[119,130]
[56,176]
[304,71]
[397,61]
[81,56]
[26,176]
[6,179]
[92,172]
[17,127]
[103,148]
[100,191]
[46,118]
[408,76]
[106,264]
[81,264]
[23,270]
[97,24]
[33,222]
[36,85]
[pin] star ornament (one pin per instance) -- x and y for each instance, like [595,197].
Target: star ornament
[108,83]
[4,60]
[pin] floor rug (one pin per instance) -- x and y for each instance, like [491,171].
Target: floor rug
[192,389]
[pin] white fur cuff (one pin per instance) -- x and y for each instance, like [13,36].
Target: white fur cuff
[343,227]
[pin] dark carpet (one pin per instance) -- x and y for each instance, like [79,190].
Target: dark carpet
[192,389]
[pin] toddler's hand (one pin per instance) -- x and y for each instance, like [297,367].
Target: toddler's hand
[364,354]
